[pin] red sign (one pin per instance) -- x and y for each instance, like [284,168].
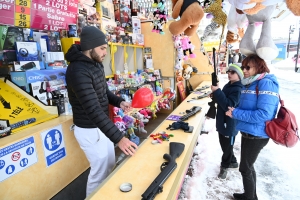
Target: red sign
[16,156]
[50,15]
[53,15]
[7,11]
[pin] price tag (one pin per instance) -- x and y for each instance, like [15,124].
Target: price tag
[22,13]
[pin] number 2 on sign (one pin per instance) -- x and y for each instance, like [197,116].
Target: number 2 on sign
[23,3]
[22,24]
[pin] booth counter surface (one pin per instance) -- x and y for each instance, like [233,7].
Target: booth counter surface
[38,181]
[141,169]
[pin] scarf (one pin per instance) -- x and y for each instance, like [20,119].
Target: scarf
[251,79]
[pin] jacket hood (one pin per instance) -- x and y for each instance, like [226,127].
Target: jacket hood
[74,54]
[273,78]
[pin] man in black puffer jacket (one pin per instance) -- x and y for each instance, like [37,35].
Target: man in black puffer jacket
[89,96]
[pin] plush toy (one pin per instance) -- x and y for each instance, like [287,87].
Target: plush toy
[265,47]
[235,23]
[170,94]
[187,46]
[187,70]
[140,122]
[220,16]
[179,76]
[190,13]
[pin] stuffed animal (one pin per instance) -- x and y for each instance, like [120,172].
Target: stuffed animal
[179,76]
[187,70]
[187,46]
[190,13]
[265,47]
[235,23]
[220,16]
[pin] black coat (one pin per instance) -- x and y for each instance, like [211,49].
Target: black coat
[89,95]
[229,96]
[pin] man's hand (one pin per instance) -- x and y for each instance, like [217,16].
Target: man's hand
[127,146]
[126,106]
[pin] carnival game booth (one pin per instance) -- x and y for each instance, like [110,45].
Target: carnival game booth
[132,178]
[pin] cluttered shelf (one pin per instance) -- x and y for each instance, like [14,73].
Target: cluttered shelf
[141,169]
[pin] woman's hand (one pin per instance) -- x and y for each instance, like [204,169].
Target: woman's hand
[229,112]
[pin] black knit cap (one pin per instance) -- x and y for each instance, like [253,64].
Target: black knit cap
[91,37]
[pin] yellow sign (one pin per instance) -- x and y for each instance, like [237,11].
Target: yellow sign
[22,13]
[21,109]
[208,46]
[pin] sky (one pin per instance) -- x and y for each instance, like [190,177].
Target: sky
[277,167]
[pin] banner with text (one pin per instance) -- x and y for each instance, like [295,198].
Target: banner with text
[51,15]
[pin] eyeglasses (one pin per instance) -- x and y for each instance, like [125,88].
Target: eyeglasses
[231,72]
[245,67]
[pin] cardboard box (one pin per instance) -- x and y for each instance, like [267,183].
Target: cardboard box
[3,32]
[53,56]
[23,78]
[14,34]
[58,64]
[28,65]
[28,51]
[38,90]
[19,78]
[53,42]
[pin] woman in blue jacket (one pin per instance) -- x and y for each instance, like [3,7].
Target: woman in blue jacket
[228,96]
[258,104]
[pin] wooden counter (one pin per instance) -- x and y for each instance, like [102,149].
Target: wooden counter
[40,181]
[141,169]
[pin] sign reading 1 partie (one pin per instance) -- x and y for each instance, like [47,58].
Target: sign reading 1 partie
[53,15]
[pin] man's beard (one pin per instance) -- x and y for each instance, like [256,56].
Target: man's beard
[95,56]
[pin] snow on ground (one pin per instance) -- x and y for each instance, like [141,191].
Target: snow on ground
[277,167]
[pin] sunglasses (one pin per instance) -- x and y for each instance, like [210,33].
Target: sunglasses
[245,67]
[231,72]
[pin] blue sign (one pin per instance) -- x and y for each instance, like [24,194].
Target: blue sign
[30,151]
[2,164]
[10,169]
[56,156]
[54,146]
[26,156]
[53,140]
[24,162]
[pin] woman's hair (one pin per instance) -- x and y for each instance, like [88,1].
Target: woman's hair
[260,64]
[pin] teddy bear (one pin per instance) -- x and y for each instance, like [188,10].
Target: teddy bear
[235,26]
[251,7]
[265,47]
[190,13]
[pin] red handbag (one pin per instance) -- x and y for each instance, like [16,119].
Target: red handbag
[283,129]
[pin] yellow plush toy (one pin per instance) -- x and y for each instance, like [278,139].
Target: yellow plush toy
[190,13]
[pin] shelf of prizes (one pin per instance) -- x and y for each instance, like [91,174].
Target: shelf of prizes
[132,178]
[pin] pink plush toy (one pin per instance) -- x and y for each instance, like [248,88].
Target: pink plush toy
[187,46]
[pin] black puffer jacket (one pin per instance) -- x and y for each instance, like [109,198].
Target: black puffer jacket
[89,94]
[228,96]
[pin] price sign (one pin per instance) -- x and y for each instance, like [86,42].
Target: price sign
[53,15]
[22,13]
[7,12]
